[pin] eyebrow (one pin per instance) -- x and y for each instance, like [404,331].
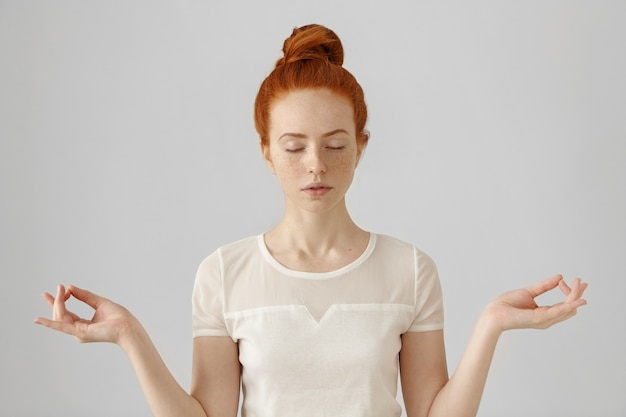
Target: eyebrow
[302,135]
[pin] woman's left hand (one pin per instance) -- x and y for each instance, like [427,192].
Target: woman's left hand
[517,309]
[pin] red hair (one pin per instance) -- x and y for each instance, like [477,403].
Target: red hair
[313,58]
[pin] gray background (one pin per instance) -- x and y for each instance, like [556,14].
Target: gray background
[128,154]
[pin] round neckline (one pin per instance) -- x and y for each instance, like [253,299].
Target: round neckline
[315,275]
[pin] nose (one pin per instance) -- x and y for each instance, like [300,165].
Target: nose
[315,162]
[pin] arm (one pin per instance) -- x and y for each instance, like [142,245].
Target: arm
[166,398]
[423,370]
[216,375]
[460,396]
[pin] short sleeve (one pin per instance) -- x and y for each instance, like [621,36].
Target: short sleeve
[207,299]
[428,295]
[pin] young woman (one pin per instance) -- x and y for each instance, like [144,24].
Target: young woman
[316,316]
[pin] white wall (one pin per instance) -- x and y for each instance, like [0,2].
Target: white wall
[128,153]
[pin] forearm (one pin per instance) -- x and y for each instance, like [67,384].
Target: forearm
[461,395]
[164,395]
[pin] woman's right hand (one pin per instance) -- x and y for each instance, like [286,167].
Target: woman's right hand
[109,323]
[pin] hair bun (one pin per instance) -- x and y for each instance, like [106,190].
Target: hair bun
[312,42]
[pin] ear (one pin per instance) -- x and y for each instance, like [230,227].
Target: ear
[361,144]
[265,151]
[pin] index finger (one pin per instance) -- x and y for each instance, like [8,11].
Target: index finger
[87,297]
[544,286]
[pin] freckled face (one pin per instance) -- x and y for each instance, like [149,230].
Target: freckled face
[312,149]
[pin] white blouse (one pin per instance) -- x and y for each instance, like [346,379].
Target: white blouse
[318,344]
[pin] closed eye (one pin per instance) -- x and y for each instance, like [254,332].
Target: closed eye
[335,148]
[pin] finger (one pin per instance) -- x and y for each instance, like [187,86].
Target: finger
[544,286]
[563,308]
[582,286]
[549,316]
[58,307]
[575,292]
[56,325]
[578,288]
[87,297]
[67,294]
[564,311]
[48,298]
[565,289]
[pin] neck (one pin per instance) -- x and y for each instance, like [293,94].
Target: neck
[316,233]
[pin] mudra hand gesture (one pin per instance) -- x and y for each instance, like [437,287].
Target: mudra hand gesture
[108,324]
[514,309]
[517,309]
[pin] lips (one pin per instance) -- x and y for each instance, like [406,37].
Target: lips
[317,189]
